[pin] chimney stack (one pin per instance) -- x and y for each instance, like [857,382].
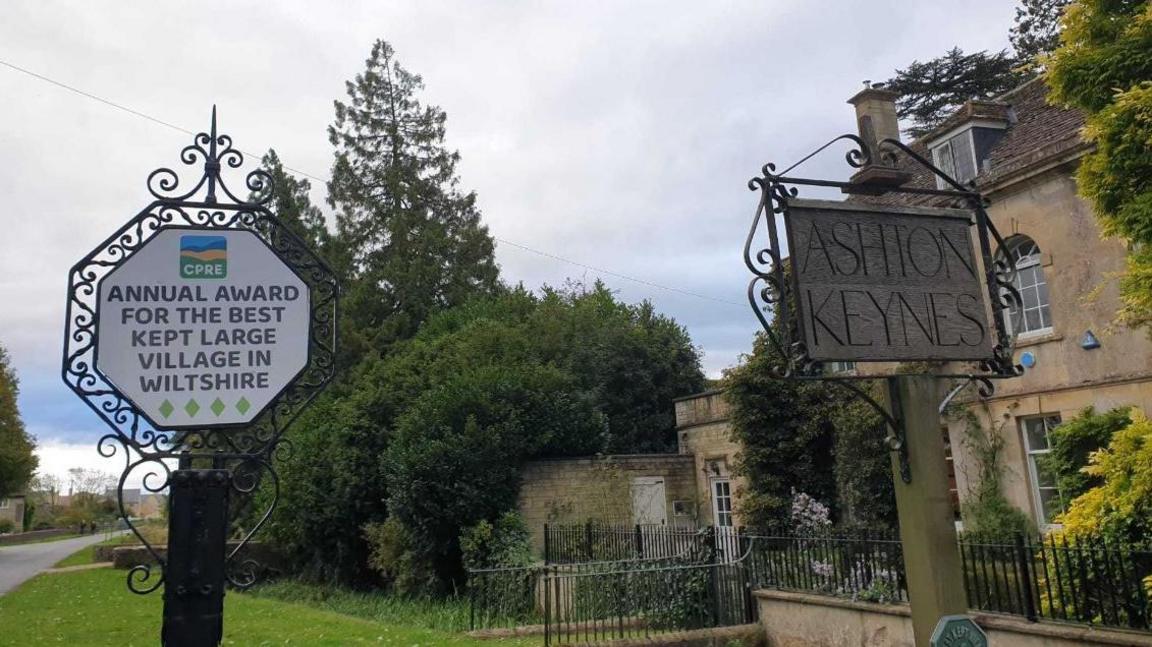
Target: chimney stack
[876,121]
[876,113]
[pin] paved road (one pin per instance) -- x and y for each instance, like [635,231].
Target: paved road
[20,563]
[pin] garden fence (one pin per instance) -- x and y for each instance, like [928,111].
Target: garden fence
[1087,580]
[693,579]
[597,542]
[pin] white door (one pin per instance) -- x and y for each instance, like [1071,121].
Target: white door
[649,504]
[727,543]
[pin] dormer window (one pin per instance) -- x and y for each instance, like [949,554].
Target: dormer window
[963,152]
[956,156]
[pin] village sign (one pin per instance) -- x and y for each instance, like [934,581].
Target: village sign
[199,331]
[202,328]
[886,283]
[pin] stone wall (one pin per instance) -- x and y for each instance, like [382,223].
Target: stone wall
[803,620]
[576,490]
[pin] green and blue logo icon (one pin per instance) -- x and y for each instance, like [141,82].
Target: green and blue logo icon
[203,257]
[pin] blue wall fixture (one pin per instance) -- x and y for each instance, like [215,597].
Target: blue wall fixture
[1089,341]
[1027,359]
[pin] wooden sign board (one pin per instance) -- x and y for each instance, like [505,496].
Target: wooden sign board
[887,283]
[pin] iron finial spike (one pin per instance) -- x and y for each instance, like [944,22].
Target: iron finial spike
[211,163]
[213,142]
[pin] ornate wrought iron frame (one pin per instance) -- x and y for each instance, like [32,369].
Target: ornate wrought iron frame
[251,451]
[770,289]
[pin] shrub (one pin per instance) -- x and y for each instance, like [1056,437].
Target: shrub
[503,543]
[1072,444]
[6,526]
[391,555]
[810,436]
[1118,508]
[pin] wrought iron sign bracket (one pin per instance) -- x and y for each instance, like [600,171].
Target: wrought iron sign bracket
[770,292]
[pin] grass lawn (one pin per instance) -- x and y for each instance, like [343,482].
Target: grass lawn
[95,608]
[445,615]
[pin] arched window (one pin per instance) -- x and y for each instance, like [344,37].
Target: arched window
[1033,315]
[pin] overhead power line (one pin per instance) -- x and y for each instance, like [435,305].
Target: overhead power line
[311,176]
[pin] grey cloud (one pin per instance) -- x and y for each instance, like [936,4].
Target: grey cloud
[616,134]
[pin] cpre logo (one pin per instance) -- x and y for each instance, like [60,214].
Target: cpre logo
[203,257]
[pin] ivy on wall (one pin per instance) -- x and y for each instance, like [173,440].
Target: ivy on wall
[986,511]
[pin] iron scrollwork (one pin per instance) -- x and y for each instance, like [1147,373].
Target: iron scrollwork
[250,452]
[769,290]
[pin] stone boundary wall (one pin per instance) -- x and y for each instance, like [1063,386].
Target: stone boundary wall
[744,635]
[33,535]
[577,490]
[133,555]
[804,620]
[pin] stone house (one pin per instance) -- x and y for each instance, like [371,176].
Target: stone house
[12,509]
[1022,154]
[693,487]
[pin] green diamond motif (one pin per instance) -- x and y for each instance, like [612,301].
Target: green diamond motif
[243,405]
[192,408]
[217,407]
[166,408]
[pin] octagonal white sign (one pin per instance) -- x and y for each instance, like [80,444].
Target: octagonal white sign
[202,327]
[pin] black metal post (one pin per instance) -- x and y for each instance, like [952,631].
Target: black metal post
[1024,557]
[713,579]
[194,577]
[547,545]
[588,541]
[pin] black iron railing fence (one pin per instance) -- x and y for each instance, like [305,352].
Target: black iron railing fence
[1087,580]
[644,600]
[596,542]
[505,597]
[859,565]
[708,580]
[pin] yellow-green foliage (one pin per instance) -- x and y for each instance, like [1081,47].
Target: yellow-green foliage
[1121,507]
[1104,67]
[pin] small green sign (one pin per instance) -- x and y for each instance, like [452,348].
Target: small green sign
[958,631]
[203,257]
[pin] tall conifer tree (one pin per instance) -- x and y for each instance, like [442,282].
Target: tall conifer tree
[17,461]
[414,237]
[292,204]
[934,89]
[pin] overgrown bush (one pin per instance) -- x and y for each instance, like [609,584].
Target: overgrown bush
[392,556]
[1104,67]
[503,543]
[1120,507]
[809,436]
[435,432]
[1073,443]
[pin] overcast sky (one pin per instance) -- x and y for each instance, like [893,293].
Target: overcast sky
[618,135]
